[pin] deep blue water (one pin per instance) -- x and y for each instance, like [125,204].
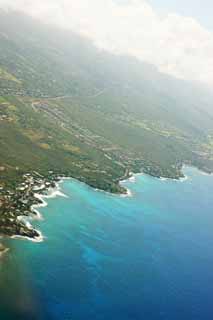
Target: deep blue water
[105,257]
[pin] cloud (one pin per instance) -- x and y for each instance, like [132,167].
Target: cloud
[177,45]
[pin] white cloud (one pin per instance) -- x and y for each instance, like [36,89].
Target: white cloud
[176,45]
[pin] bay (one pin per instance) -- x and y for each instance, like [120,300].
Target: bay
[148,256]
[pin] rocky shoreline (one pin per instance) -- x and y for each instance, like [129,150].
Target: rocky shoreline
[19,204]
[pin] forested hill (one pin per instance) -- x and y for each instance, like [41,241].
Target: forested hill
[68,107]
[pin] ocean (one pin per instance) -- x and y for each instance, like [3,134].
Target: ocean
[108,257]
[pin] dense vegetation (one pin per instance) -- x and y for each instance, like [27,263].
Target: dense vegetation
[68,107]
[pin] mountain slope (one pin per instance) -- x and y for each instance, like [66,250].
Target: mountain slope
[69,107]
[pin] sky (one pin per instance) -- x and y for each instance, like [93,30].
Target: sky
[201,10]
[174,35]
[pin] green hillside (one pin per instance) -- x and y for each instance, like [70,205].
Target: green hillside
[68,107]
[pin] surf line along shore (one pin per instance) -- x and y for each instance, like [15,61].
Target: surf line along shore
[51,192]
[18,206]
[47,193]
[34,214]
[31,194]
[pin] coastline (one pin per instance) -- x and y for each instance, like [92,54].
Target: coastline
[54,192]
[35,214]
[182,179]
[37,200]
[52,189]
[132,178]
[38,239]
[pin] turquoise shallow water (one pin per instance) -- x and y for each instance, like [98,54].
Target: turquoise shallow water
[149,256]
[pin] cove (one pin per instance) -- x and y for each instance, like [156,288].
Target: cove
[148,256]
